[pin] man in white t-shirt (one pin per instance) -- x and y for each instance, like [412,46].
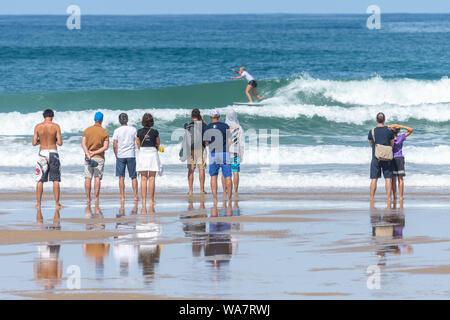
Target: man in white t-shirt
[251,83]
[125,150]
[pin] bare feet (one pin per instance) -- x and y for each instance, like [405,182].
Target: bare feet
[38,206]
[144,210]
[39,217]
[59,206]
[152,203]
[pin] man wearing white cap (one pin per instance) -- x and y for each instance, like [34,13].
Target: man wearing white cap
[217,137]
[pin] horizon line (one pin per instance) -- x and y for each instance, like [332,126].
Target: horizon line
[197,14]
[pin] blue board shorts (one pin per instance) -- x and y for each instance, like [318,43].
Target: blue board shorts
[236,164]
[129,163]
[377,166]
[220,161]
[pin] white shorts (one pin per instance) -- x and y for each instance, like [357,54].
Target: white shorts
[96,172]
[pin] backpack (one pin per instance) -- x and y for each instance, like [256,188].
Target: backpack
[382,152]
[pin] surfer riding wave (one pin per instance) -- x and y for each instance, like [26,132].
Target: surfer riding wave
[251,83]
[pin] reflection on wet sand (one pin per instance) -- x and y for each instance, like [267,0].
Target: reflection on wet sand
[122,209]
[97,214]
[394,204]
[125,250]
[139,245]
[56,223]
[215,242]
[206,262]
[385,227]
[148,259]
[191,204]
[97,251]
[47,267]
[149,252]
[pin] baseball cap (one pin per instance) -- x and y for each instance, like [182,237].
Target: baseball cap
[214,113]
[98,116]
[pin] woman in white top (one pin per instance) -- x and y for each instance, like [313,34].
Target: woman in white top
[251,83]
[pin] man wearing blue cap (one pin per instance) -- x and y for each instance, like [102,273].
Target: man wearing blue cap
[95,142]
[217,138]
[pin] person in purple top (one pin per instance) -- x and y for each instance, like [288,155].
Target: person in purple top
[399,160]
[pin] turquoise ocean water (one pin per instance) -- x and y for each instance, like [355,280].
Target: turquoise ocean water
[324,78]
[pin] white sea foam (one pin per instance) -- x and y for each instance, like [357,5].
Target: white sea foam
[371,92]
[354,115]
[16,123]
[71,155]
[76,121]
[256,181]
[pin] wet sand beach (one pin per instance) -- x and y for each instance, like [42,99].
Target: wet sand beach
[317,245]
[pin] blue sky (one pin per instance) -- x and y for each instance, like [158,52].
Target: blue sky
[217,6]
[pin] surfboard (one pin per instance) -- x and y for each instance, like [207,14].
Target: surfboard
[247,103]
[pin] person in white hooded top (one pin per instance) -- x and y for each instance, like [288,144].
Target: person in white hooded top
[236,147]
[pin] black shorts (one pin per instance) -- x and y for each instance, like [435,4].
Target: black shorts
[253,83]
[399,167]
[376,166]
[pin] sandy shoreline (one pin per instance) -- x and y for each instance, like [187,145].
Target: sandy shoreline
[332,234]
[109,194]
[28,236]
